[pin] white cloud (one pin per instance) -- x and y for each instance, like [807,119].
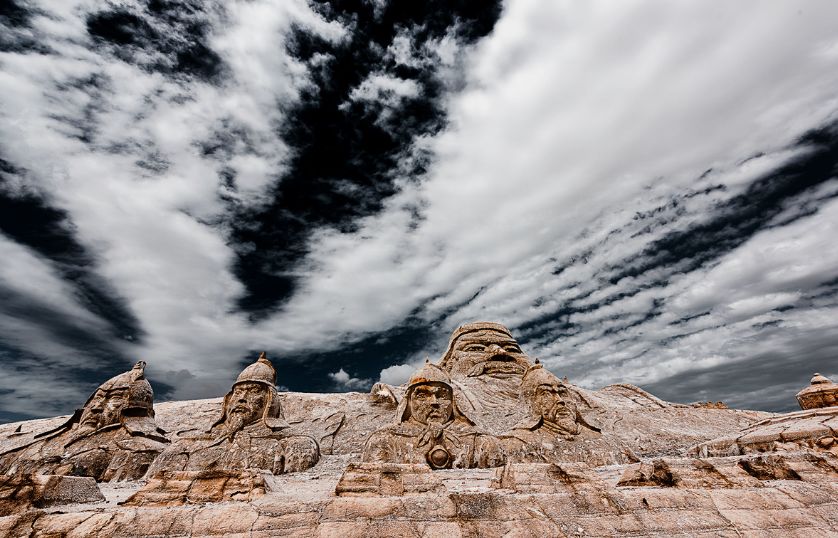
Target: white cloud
[346,382]
[575,117]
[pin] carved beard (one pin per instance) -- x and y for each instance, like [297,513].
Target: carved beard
[562,419]
[235,422]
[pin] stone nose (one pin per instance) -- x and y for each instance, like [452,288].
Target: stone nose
[498,353]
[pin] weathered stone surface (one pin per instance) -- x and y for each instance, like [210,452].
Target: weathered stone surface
[821,392]
[114,437]
[815,429]
[387,479]
[21,492]
[251,433]
[573,501]
[431,429]
[747,474]
[175,488]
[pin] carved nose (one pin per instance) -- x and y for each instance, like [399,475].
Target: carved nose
[494,348]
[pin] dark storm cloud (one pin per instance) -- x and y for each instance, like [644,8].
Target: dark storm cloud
[347,154]
[31,221]
[343,183]
[161,35]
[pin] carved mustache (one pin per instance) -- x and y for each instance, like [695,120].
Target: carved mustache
[238,408]
[561,409]
[497,364]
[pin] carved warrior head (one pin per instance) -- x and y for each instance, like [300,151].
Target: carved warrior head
[253,397]
[430,398]
[126,399]
[484,348]
[551,401]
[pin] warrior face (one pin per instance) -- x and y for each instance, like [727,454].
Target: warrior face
[555,404]
[432,402]
[103,409]
[246,404]
[488,352]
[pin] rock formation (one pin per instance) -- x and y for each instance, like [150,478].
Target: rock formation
[612,462]
[431,429]
[555,430]
[113,437]
[821,392]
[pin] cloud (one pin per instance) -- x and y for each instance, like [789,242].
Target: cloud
[628,188]
[583,138]
[346,382]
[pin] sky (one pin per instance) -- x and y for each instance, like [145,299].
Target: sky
[644,192]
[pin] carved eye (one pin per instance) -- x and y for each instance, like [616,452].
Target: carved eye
[512,348]
[474,347]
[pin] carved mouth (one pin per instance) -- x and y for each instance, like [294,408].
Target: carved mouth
[502,367]
[561,411]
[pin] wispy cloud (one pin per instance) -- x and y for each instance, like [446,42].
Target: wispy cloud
[624,186]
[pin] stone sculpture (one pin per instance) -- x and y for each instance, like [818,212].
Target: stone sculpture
[821,392]
[250,433]
[432,429]
[555,430]
[113,437]
[487,364]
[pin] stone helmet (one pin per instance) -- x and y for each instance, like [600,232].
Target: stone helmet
[445,363]
[262,372]
[429,373]
[536,376]
[821,392]
[137,411]
[139,399]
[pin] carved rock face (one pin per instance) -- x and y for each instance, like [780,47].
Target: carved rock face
[487,352]
[103,409]
[246,404]
[432,402]
[554,404]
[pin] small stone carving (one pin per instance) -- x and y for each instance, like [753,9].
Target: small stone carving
[821,392]
[250,434]
[114,437]
[487,364]
[555,430]
[431,429]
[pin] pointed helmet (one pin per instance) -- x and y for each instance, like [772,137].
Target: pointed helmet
[263,373]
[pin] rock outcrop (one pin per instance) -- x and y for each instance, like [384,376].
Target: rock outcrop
[484,443]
